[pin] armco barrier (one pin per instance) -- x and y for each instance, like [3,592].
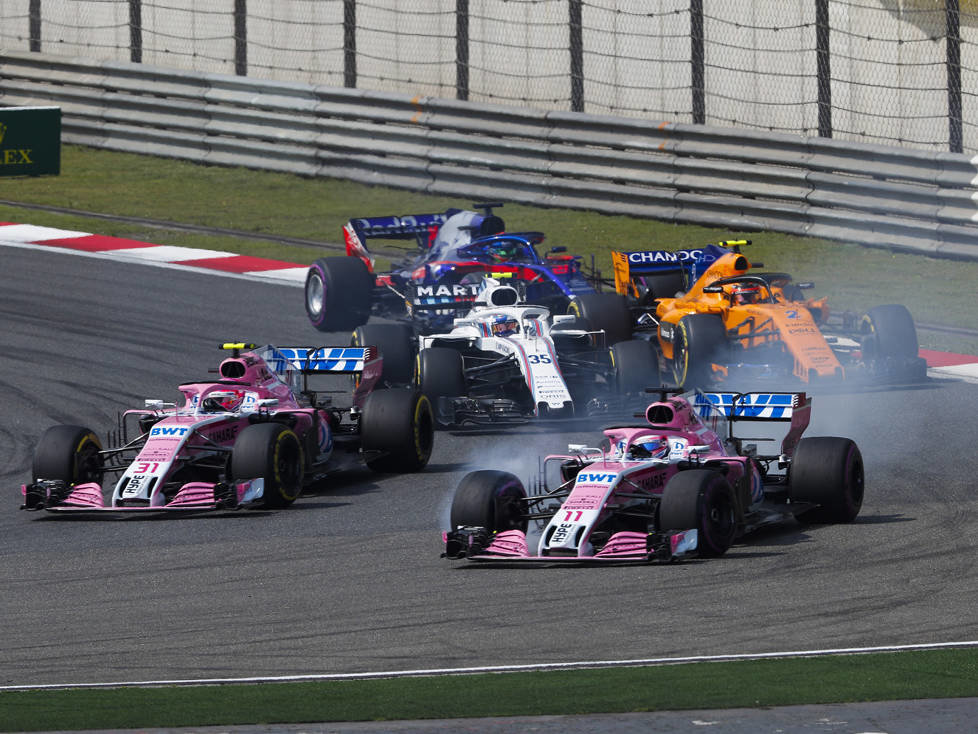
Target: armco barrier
[739,179]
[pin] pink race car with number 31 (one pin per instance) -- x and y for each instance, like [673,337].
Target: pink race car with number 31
[679,484]
[254,437]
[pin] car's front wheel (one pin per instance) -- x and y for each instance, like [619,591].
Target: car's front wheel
[69,454]
[273,453]
[703,500]
[490,499]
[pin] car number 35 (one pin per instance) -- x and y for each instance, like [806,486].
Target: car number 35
[539,359]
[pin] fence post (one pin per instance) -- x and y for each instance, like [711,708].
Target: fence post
[955,133]
[136,31]
[462,49]
[241,37]
[575,22]
[823,68]
[34,24]
[350,44]
[697,61]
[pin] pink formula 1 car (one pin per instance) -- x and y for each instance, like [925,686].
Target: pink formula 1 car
[254,437]
[679,484]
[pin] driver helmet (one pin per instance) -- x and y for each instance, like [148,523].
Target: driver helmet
[504,325]
[504,252]
[649,447]
[222,401]
[745,293]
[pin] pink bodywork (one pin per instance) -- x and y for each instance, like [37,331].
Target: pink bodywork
[187,428]
[611,474]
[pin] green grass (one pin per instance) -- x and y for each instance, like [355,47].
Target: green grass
[854,277]
[750,684]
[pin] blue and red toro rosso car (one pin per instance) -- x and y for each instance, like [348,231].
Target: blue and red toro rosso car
[455,251]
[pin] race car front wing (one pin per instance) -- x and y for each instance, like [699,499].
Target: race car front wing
[478,544]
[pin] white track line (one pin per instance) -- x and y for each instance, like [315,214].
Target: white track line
[581,665]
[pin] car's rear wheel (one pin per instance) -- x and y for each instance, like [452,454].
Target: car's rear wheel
[396,345]
[703,500]
[636,366]
[273,453]
[338,292]
[606,311]
[827,471]
[397,430]
[490,499]
[888,331]
[699,340]
[888,337]
[69,454]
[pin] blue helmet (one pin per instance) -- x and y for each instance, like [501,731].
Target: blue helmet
[649,447]
[504,325]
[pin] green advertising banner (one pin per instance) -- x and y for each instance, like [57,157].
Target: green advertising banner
[30,141]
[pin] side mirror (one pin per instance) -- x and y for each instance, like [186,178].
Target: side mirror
[558,248]
[713,289]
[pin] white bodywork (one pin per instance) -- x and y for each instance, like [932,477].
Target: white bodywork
[531,343]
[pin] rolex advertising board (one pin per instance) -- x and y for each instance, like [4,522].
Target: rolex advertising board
[30,141]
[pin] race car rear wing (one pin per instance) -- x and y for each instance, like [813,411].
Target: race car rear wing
[409,226]
[759,406]
[692,262]
[294,365]
[341,360]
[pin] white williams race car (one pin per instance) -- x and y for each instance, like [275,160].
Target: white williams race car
[506,361]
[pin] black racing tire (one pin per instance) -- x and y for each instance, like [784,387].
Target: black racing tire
[606,311]
[490,499]
[704,500]
[272,452]
[636,366]
[396,343]
[888,332]
[661,285]
[69,454]
[699,340]
[440,372]
[397,429]
[338,292]
[828,471]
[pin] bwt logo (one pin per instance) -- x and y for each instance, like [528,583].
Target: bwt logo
[586,478]
[169,431]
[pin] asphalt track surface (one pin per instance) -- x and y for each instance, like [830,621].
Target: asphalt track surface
[350,579]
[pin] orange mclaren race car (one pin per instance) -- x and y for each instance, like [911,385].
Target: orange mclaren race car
[715,318]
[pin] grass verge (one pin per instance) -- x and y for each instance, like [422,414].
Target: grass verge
[740,684]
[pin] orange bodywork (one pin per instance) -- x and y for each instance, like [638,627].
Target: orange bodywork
[773,319]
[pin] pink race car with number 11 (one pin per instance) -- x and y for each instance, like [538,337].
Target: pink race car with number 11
[255,437]
[679,484]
